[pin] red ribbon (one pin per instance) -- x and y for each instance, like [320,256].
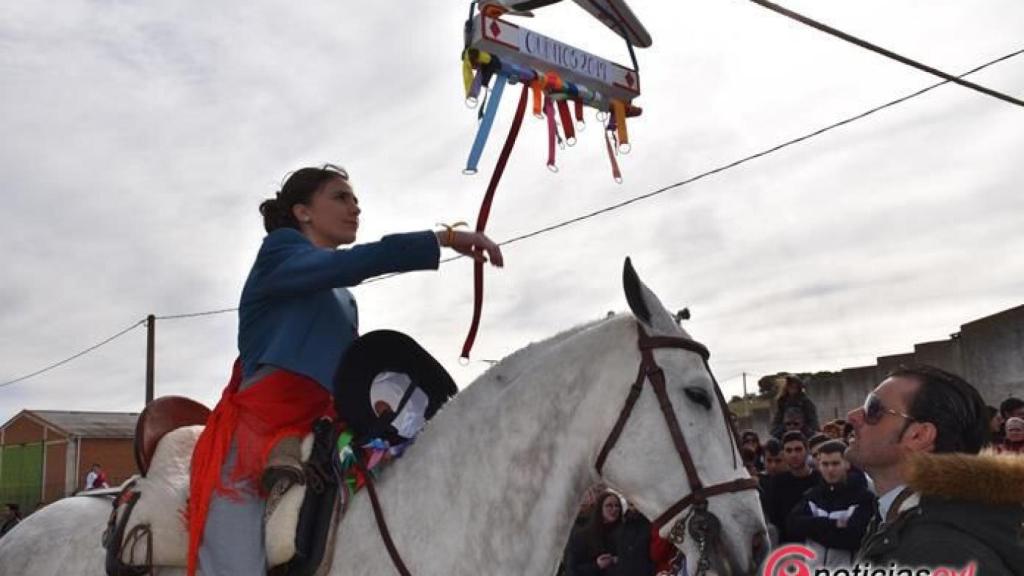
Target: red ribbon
[549,112]
[485,212]
[567,124]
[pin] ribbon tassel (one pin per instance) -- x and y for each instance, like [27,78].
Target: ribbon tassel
[549,111]
[616,174]
[485,125]
[619,114]
[567,123]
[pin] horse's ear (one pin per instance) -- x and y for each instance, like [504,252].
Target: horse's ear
[635,292]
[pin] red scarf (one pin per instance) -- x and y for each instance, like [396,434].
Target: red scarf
[279,405]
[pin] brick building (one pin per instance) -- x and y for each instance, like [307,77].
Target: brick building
[45,454]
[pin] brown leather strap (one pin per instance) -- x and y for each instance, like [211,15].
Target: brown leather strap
[627,409]
[381,524]
[737,485]
[657,379]
[652,342]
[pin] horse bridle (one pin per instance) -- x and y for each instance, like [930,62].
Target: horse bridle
[699,494]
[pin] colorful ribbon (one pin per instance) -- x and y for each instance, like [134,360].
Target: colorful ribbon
[549,112]
[485,125]
[567,123]
[537,86]
[619,113]
[616,174]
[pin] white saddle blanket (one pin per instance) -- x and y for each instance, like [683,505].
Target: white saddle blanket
[164,498]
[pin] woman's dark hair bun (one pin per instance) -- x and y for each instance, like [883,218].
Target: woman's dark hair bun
[275,216]
[298,188]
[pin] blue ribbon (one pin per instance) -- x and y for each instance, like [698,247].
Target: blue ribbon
[485,125]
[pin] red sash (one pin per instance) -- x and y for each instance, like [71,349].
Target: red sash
[281,404]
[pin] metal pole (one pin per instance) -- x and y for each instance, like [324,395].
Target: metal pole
[744,385]
[150,346]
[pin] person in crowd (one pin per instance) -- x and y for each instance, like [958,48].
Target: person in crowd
[995,425]
[750,439]
[590,496]
[1011,407]
[793,399]
[833,429]
[11,518]
[786,489]
[847,432]
[611,544]
[814,443]
[296,320]
[96,478]
[773,461]
[633,545]
[940,503]
[664,554]
[1014,441]
[832,517]
[748,456]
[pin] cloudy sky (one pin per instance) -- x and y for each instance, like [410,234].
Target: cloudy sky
[139,138]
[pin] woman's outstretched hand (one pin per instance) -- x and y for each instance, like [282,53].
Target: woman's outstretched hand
[476,245]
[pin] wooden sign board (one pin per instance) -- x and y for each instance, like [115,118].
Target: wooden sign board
[536,51]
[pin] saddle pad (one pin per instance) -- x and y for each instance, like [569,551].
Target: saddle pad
[164,497]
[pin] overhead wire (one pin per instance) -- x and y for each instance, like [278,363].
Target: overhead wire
[884,52]
[78,355]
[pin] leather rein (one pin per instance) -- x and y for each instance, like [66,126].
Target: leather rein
[649,371]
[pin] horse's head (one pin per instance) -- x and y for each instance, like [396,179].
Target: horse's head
[672,448]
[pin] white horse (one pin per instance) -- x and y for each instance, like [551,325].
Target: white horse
[493,483]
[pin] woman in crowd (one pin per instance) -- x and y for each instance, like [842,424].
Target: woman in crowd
[612,543]
[749,439]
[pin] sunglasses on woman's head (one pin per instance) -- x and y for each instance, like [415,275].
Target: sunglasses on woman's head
[874,410]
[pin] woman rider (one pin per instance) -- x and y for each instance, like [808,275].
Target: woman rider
[296,319]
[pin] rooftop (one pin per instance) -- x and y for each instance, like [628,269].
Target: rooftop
[88,424]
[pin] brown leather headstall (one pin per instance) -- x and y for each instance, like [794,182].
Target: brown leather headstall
[649,371]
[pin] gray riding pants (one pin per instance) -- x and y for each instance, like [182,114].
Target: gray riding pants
[233,540]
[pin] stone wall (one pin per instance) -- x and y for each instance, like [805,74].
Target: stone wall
[988,352]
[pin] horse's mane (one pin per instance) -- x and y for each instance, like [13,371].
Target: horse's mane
[512,366]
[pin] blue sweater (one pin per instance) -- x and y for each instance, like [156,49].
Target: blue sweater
[295,312]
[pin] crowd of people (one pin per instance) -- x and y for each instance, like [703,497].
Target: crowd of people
[919,475]
[914,476]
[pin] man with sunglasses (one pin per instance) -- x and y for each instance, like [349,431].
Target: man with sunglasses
[918,435]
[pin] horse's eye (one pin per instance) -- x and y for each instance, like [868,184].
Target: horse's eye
[698,395]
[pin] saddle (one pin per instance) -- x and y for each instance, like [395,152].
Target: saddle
[147,526]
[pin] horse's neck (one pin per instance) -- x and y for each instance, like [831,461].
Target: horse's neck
[507,461]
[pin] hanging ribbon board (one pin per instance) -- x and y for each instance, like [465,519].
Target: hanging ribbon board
[559,81]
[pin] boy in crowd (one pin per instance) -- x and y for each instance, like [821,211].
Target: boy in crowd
[786,489]
[832,517]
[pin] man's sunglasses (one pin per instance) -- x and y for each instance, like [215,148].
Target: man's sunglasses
[874,410]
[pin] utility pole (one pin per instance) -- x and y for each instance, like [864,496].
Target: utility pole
[744,385]
[150,355]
